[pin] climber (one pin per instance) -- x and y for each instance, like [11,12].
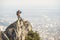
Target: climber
[18,13]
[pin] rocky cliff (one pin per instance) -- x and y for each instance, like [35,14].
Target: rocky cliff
[16,31]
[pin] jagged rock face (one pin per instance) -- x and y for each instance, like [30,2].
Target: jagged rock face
[18,30]
[3,36]
[0,36]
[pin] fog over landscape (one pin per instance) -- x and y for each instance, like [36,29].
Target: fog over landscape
[44,15]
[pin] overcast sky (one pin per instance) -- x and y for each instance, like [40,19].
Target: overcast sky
[30,3]
[30,7]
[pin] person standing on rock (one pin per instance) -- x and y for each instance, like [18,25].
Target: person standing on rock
[19,29]
[19,26]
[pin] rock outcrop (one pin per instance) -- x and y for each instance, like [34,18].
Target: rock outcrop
[17,30]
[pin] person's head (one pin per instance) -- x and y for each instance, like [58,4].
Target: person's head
[18,13]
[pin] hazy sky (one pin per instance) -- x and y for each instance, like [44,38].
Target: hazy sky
[30,3]
[30,7]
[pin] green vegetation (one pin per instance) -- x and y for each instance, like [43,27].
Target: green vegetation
[32,36]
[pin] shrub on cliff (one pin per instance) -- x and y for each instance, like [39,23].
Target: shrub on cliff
[32,36]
